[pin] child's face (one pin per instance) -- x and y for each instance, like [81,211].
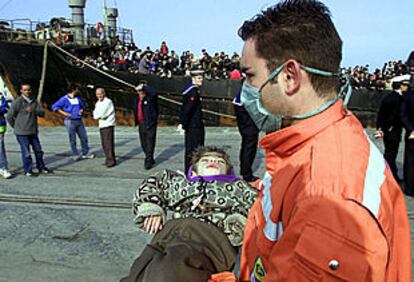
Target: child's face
[211,164]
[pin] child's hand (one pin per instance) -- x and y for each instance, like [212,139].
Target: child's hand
[153,223]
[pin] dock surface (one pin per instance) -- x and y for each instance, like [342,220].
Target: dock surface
[76,224]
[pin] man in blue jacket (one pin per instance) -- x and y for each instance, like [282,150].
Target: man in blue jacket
[72,108]
[146,116]
[4,107]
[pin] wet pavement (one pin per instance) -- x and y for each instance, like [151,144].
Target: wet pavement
[76,224]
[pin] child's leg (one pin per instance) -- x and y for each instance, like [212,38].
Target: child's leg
[184,250]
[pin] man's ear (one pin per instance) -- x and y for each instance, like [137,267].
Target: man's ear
[292,76]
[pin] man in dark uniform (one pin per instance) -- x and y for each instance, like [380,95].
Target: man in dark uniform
[249,138]
[146,116]
[389,125]
[407,118]
[191,117]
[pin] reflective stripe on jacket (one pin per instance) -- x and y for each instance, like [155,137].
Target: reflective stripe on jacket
[329,210]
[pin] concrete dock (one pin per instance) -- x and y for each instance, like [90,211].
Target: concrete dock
[76,224]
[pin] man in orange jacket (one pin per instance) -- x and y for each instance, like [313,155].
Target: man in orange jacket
[330,209]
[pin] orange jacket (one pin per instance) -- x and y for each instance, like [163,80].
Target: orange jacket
[330,209]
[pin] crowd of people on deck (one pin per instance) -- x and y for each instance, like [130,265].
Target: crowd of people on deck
[166,63]
[379,79]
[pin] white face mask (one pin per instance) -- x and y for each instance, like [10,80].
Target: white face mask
[211,164]
[268,122]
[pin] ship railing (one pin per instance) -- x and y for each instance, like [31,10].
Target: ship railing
[20,29]
[125,35]
[98,33]
[36,31]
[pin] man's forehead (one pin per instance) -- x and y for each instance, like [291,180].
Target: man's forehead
[249,53]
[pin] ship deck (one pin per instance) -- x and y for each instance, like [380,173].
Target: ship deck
[76,224]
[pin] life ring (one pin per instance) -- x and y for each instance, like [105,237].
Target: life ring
[99,28]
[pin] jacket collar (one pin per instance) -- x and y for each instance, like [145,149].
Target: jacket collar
[289,140]
[27,99]
[219,177]
[70,97]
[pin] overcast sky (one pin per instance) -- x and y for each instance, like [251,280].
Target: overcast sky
[373,31]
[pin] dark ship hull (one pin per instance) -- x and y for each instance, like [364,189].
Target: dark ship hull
[22,62]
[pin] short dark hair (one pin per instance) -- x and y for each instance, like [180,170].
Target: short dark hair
[72,87]
[301,30]
[395,85]
[25,83]
[203,150]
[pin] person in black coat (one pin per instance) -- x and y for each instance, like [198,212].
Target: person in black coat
[146,116]
[191,117]
[249,139]
[389,125]
[407,118]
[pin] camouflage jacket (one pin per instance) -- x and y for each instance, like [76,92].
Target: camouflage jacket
[224,204]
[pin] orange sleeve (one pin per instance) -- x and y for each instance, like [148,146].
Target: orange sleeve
[329,239]
[223,277]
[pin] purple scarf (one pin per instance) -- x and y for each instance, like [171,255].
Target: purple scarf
[218,177]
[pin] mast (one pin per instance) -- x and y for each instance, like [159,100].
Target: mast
[110,18]
[78,20]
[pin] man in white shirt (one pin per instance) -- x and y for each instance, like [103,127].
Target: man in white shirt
[104,112]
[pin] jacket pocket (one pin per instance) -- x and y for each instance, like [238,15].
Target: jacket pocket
[323,255]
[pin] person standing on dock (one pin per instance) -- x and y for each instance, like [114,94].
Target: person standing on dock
[389,125]
[249,138]
[22,116]
[146,118]
[191,117]
[407,118]
[72,108]
[104,112]
[4,107]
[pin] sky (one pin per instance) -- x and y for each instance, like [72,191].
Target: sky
[373,31]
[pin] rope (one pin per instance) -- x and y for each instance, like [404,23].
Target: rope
[43,75]
[127,83]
